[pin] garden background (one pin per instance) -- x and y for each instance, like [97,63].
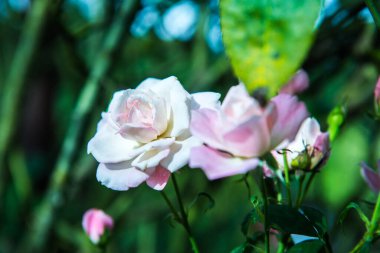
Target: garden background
[60,63]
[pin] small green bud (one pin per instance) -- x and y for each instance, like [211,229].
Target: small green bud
[335,119]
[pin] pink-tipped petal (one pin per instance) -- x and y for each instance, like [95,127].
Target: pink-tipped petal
[217,164]
[322,143]
[290,114]
[94,223]
[372,178]
[297,84]
[120,176]
[159,178]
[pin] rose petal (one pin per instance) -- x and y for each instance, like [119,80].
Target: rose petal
[158,144]
[250,139]
[322,143]
[180,107]
[205,100]
[139,133]
[216,164]
[371,177]
[158,86]
[239,105]
[107,146]
[159,178]
[290,115]
[150,158]
[120,176]
[178,101]
[116,100]
[204,124]
[180,153]
[307,135]
[298,83]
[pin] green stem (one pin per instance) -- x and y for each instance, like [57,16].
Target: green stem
[374,9]
[171,207]
[374,225]
[287,178]
[307,187]
[300,191]
[45,212]
[184,219]
[15,81]
[266,224]
[375,219]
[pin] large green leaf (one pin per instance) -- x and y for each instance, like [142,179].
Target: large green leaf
[267,40]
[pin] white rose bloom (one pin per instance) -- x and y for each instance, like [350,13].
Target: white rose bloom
[144,135]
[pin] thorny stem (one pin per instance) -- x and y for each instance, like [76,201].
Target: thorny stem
[184,220]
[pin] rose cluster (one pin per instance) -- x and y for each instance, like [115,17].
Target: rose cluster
[150,132]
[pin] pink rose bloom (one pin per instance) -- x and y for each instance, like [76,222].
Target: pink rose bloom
[239,131]
[95,222]
[298,83]
[371,177]
[144,136]
[309,150]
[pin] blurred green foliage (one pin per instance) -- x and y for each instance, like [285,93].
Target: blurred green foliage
[343,64]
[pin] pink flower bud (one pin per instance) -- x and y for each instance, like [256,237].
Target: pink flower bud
[297,84]
[94,223]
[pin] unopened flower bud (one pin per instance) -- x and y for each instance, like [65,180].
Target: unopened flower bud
[95,222]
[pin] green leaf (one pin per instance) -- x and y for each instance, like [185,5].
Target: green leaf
[267,40]
[357,208]
[310,246]
[305,221]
